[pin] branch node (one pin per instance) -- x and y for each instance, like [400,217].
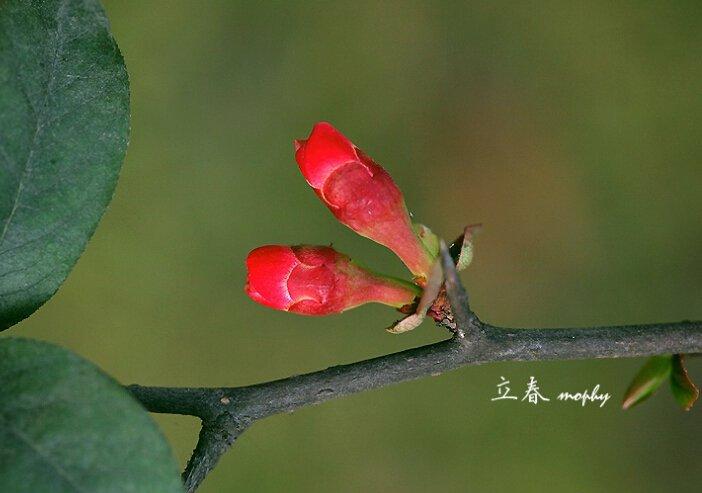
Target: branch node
[216,437]
[467,325]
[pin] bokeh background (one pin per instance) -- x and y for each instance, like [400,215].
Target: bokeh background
[571,130]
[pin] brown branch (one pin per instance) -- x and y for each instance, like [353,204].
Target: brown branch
[228,412]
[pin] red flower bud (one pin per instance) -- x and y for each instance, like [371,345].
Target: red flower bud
[360,194]
[318,280]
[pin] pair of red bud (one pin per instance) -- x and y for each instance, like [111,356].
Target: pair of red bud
[317,280]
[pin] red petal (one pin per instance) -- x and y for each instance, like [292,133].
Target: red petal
[313,256]
[361,194]
[373,207]
[269,268]
[322,153]
[310,307]
[317,280]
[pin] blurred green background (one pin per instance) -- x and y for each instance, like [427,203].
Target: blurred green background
[571,130]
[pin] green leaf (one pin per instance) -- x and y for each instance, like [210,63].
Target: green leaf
[684,390]
[462,249]
[67,427]
[656,370]
[64,124]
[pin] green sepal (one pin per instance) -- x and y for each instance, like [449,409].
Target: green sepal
[428,238]
[462,249]
[431,291]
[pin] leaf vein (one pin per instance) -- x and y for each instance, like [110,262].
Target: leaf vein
[42,454]
[27,168]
